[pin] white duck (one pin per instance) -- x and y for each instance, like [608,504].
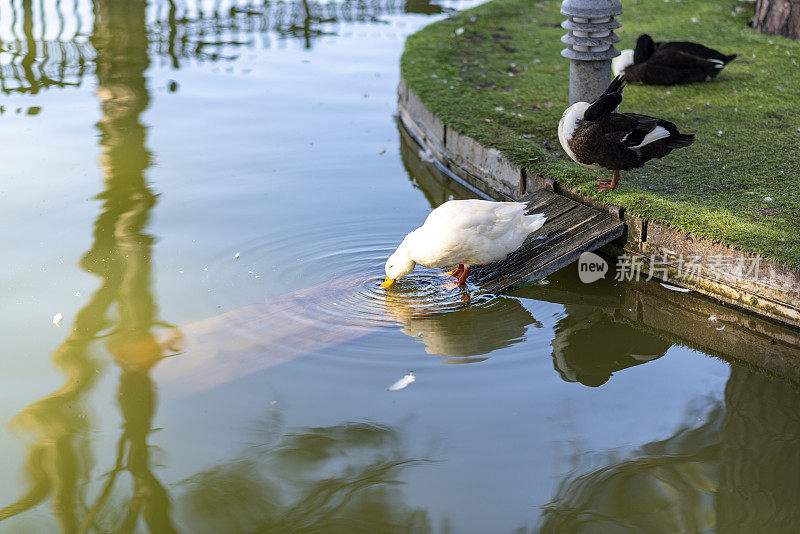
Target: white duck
[463,233]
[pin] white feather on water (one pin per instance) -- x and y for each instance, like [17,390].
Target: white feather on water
[675,288]
[403,382]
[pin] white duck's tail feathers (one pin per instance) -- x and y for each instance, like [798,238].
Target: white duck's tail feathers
[535,221]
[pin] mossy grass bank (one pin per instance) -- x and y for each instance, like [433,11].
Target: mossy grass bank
[495,73]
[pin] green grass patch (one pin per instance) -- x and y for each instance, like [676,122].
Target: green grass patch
[496,73]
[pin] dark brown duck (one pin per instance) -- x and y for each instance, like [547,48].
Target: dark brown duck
[669,63]
[596,137]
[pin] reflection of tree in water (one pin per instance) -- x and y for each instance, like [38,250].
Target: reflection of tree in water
[669,488]
[182,32]
[121,42]
[735,473]
[59,463]
[343,478]
[30,64]
[178,31]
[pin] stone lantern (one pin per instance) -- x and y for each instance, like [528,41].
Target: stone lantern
[591,39]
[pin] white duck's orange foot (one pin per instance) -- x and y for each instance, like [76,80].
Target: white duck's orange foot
[460,278]
[455,272]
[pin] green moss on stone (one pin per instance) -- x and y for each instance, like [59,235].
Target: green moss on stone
[495,73]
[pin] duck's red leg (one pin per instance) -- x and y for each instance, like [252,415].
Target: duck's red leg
[455,272]
[463,276]
[460,278]
[604,184]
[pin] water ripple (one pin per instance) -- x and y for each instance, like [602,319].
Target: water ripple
[339,300]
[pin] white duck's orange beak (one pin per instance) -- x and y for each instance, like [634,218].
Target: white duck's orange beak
[388,282]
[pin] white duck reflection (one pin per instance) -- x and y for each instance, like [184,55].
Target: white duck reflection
[467,334]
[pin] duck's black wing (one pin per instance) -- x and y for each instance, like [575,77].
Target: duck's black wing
[669,66]
[629,129]
[607,102]
[696,49]
[626,140]
[641,125]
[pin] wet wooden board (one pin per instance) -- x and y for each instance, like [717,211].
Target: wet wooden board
[570,230]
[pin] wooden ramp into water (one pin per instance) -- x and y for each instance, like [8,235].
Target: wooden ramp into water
[570,230]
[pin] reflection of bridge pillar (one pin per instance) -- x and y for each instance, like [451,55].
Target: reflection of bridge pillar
[30,49]
[59,462]
[759,460]
[121,41]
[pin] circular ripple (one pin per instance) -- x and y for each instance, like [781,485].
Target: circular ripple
[358,299]
[289,259]
[342,262]
[331,289]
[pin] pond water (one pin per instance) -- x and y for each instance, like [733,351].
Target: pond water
[205,193]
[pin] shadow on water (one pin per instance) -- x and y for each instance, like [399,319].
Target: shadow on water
[734,473]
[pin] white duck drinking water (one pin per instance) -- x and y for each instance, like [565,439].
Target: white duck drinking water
[463,233]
